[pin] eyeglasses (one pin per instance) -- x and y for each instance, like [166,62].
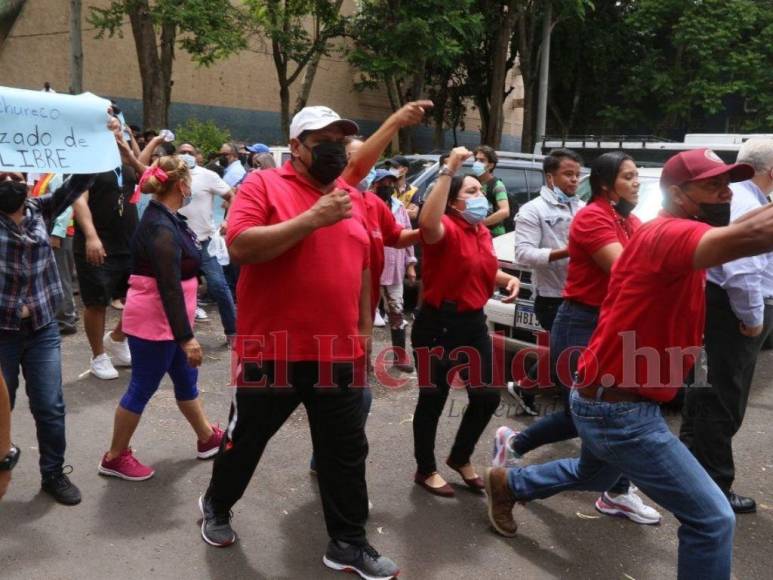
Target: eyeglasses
[11,177]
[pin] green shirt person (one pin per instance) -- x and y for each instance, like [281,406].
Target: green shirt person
[493,188]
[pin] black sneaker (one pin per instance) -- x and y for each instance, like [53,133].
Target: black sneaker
[61,488]
[216,527]
[362,560]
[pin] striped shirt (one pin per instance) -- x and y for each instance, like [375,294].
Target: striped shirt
[28,273]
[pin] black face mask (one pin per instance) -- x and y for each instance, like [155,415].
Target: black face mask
[624,207]
[714,214]
[223,159]
[328,161]
[385,192]
[12,196]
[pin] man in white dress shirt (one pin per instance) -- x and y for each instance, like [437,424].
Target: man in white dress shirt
[739,319]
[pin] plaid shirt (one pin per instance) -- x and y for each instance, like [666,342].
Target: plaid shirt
[28,273]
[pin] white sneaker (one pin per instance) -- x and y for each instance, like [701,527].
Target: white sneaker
[201,315]
[379,320]
[118,351]
[102,368]
[515,392]
[503,455]
[628,505]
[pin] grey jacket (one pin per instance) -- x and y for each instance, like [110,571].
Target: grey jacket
[542,225]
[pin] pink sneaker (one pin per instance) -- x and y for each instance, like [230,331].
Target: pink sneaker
[210,448]
[125,466]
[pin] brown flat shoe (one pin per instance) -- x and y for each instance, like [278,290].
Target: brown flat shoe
[475,483]
[500,502]
[443,491]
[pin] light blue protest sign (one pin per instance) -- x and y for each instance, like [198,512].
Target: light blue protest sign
[44,132]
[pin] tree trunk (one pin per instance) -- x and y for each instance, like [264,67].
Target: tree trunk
[439,115]
[168,35]
[76,48]
[501,46]
[153,112]
[311,68]
[284,111]
[308,81]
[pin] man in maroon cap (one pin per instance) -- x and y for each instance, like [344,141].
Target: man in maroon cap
[648,336]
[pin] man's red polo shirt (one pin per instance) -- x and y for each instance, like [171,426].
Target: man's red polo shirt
[595,226]
[304,304]
[461,267]
[653,316]
[383,230]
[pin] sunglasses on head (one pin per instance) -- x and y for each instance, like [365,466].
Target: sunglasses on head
[12,176]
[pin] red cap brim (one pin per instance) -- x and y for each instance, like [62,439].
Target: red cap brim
[736,171]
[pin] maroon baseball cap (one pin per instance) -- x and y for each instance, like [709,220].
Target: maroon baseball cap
[701,164]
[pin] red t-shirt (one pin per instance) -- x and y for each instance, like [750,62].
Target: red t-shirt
[310,292]
[383,230]
[654,311]
[461,267]
[595,226]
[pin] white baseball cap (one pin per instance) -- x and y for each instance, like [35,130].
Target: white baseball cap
[316,118]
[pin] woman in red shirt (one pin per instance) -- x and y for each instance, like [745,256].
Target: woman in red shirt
[449,336]
[596,239]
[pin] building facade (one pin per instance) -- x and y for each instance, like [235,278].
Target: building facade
[240,93]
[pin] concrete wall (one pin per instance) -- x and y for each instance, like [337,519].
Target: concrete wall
[240,93]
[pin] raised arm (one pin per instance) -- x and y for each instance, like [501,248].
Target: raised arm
[367,155]
[749,236]
[430,220]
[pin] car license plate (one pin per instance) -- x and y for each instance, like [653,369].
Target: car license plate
[525,317]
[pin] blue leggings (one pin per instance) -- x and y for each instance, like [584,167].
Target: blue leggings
[151,360]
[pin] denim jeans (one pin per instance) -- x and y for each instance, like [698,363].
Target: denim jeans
[37,353]
[633,439]
[573,326]
[218,289]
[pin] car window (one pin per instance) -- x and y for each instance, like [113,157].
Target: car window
[535,180]
[514,179]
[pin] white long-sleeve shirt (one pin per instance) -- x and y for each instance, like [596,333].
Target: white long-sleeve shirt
[747,281]
[541,226]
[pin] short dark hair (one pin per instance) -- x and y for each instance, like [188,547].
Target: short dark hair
[604,170]
[488,153]
[552,162]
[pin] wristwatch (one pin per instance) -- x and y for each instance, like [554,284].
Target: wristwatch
[8,463]
[446,171]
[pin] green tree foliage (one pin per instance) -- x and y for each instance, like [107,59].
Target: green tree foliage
[206,136]
[664,67]
[413,49]
[299,33]
[207,29]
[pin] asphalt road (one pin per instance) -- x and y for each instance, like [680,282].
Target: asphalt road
[150,529]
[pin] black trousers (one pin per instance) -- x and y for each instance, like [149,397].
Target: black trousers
[337,433]
[713,414]
[450,330]
[546,309]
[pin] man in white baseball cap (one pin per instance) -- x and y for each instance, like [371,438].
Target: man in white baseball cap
[318,117]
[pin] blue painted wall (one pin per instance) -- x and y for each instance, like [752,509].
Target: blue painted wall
[263,126]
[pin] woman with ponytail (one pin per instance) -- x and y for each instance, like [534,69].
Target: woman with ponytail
[158,318]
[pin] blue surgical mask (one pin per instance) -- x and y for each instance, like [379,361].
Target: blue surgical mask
[370,176]
[476,210]
[560,195]
[478,168]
